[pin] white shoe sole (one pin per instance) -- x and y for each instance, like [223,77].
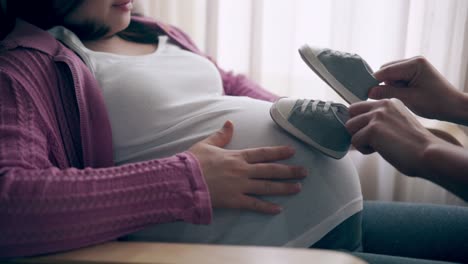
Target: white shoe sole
[311,59]
[283,123]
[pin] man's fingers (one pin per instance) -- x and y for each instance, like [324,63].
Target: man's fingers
[387,92]
[264,187]
[362,141]
[399,71]
[276,171]
[257,205]
[365,150]
[361,108]
[359,122]
[267,154]
[393,62]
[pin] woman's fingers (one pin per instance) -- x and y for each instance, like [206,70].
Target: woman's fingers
[267,154]
[233,175]
[276,171]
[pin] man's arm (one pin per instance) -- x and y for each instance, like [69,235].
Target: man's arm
[387,127]
[458,112]
[423,89]
[447,165]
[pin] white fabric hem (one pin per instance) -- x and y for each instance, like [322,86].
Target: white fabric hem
[317,232]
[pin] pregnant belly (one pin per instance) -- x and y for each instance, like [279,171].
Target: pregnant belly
[186,125]
[331,193]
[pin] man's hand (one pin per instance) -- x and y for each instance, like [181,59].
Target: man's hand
[421,88]
[386,126]
[233,176]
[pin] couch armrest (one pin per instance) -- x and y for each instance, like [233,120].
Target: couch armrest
[141,253]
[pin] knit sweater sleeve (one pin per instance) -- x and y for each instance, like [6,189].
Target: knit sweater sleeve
[241,85]
[44,208]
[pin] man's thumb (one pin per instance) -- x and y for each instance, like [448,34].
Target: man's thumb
[385,92]
[222,137]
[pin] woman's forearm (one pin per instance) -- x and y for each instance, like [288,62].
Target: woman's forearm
[50,210]
[447,165]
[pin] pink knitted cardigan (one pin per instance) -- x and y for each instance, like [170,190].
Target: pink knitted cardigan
[59,188]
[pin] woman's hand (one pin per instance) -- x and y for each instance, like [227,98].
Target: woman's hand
[422,88]
[386,126]
[233,176]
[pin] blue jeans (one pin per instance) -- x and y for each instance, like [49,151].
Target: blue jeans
[410,233]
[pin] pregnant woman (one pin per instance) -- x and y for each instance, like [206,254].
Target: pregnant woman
[163,101]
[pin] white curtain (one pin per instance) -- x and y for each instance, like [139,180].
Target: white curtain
[260,38]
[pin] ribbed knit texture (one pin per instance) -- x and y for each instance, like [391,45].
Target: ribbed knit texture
[48,202]
[58,187]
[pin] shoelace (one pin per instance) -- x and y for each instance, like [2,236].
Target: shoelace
[343,54]
[315,105]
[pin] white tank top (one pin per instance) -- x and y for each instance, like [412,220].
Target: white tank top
[162,103]
[152,97]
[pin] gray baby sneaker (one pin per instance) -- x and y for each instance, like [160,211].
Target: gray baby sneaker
[348,74]
[319,124]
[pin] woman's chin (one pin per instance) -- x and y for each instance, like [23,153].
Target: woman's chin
[121,25]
